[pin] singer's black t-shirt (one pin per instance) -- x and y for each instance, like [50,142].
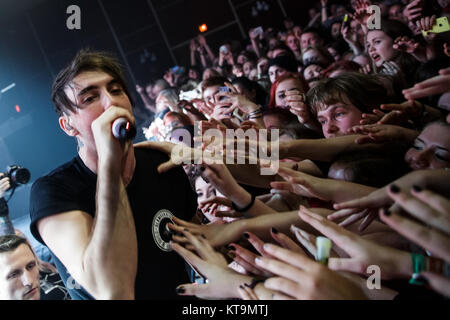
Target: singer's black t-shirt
[153,199]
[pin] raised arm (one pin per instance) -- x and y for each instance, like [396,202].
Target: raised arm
[324,10]
[321,149]
[148,103]
[221,179]
[204,44]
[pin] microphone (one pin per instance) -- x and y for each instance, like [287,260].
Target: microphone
[122,129]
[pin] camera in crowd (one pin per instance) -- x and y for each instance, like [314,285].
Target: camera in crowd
[17,175]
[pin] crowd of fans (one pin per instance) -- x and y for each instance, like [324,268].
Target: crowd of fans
[364,156]
[364,151]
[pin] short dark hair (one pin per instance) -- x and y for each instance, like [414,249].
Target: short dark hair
[11,242]
[250,85]
[312,30]
[371,168]
[85,60]
[286,62]
[365,92]
[213,81]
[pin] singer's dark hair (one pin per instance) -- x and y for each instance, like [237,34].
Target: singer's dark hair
[11,242]
[85,60]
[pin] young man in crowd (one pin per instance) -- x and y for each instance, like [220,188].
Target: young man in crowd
[19,272]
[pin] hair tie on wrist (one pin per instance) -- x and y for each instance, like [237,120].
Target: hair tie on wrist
[246,208]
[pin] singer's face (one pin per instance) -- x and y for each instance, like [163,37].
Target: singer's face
[19,275]
[93,92]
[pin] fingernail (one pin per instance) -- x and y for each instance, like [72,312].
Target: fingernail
[386,212]
[180,290]
[394,189]
[258,260]
[417,188]
[230,247]
[275,231]
[246,235]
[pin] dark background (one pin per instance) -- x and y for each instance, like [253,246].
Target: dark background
[149,36]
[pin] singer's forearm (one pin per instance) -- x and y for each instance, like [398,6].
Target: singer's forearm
[111,254]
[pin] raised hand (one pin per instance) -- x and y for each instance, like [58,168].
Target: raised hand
[380,197]
[426,24]
[361,252]
[361,11]
[406,44]
[434,234]
[193,113]
[169,77]
[201,40]
[5,184]
[298,277]
[432,209]
[223,282]
[371,118]
[203,107]
[302,184]
[348,34]
[399,113]
[139,89]
[246,258]
[217,234]
[378,133]
[179,153]
[414,10]
[193,45]
[298,107]
[367,69]
[252,35]
[237,100]
[436,85]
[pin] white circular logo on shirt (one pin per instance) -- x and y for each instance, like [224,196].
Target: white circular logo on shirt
[160,230]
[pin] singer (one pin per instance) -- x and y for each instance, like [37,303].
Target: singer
[103,215]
